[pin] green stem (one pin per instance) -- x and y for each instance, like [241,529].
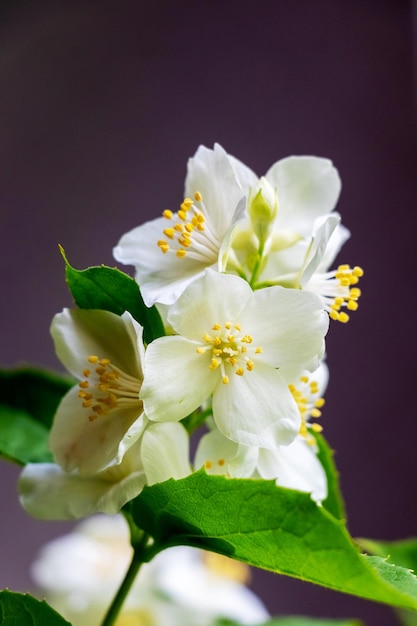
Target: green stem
[257,266]
[127,582]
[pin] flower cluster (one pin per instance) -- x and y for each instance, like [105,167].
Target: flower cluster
[242,276]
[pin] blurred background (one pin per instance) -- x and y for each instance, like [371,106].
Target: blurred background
[102,102]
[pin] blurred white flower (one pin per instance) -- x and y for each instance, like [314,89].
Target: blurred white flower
[80,573]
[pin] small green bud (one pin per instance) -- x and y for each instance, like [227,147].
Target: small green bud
[262,208]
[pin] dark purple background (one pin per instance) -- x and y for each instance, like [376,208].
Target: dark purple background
[101,104]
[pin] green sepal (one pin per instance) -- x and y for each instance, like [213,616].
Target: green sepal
[270,527]
[29,399]
[18,609]
[109,289]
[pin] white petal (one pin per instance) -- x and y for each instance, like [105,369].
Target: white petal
[164,452]
[177,379]
[161,277]
[79,333]
[295,466]
[256,409]
[288,324]
[90,446]
[245,175]
[214,452]
[220,455]
[47,492]
[340,235]
[321,376]
[213,299]
[210,172]
[308,187]
[318,247]
[225,247]
[244,463]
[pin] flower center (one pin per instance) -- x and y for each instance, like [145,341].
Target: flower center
[230,349]
[189,233]
[309,402]
[106,387]
[337,290]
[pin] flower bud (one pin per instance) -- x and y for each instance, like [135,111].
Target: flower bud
[262,208]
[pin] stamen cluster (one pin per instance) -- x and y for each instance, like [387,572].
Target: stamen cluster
[105,387]
[229,347]
[189,232]
[306,394]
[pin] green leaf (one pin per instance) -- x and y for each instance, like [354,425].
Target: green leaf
[29,399]
[402,553]
[18,609]
[22,440]
[111,290]
[270,527]
[36,392]
[334,501]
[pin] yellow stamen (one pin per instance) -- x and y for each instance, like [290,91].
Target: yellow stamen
[169,232]
[352,305]
[317,428]
[186,204]
[163,245]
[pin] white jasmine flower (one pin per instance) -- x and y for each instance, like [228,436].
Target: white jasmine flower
[294,466]
[171,251]
[79,574]
[48,492]
[304,233]
[101,417]
[241,347]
